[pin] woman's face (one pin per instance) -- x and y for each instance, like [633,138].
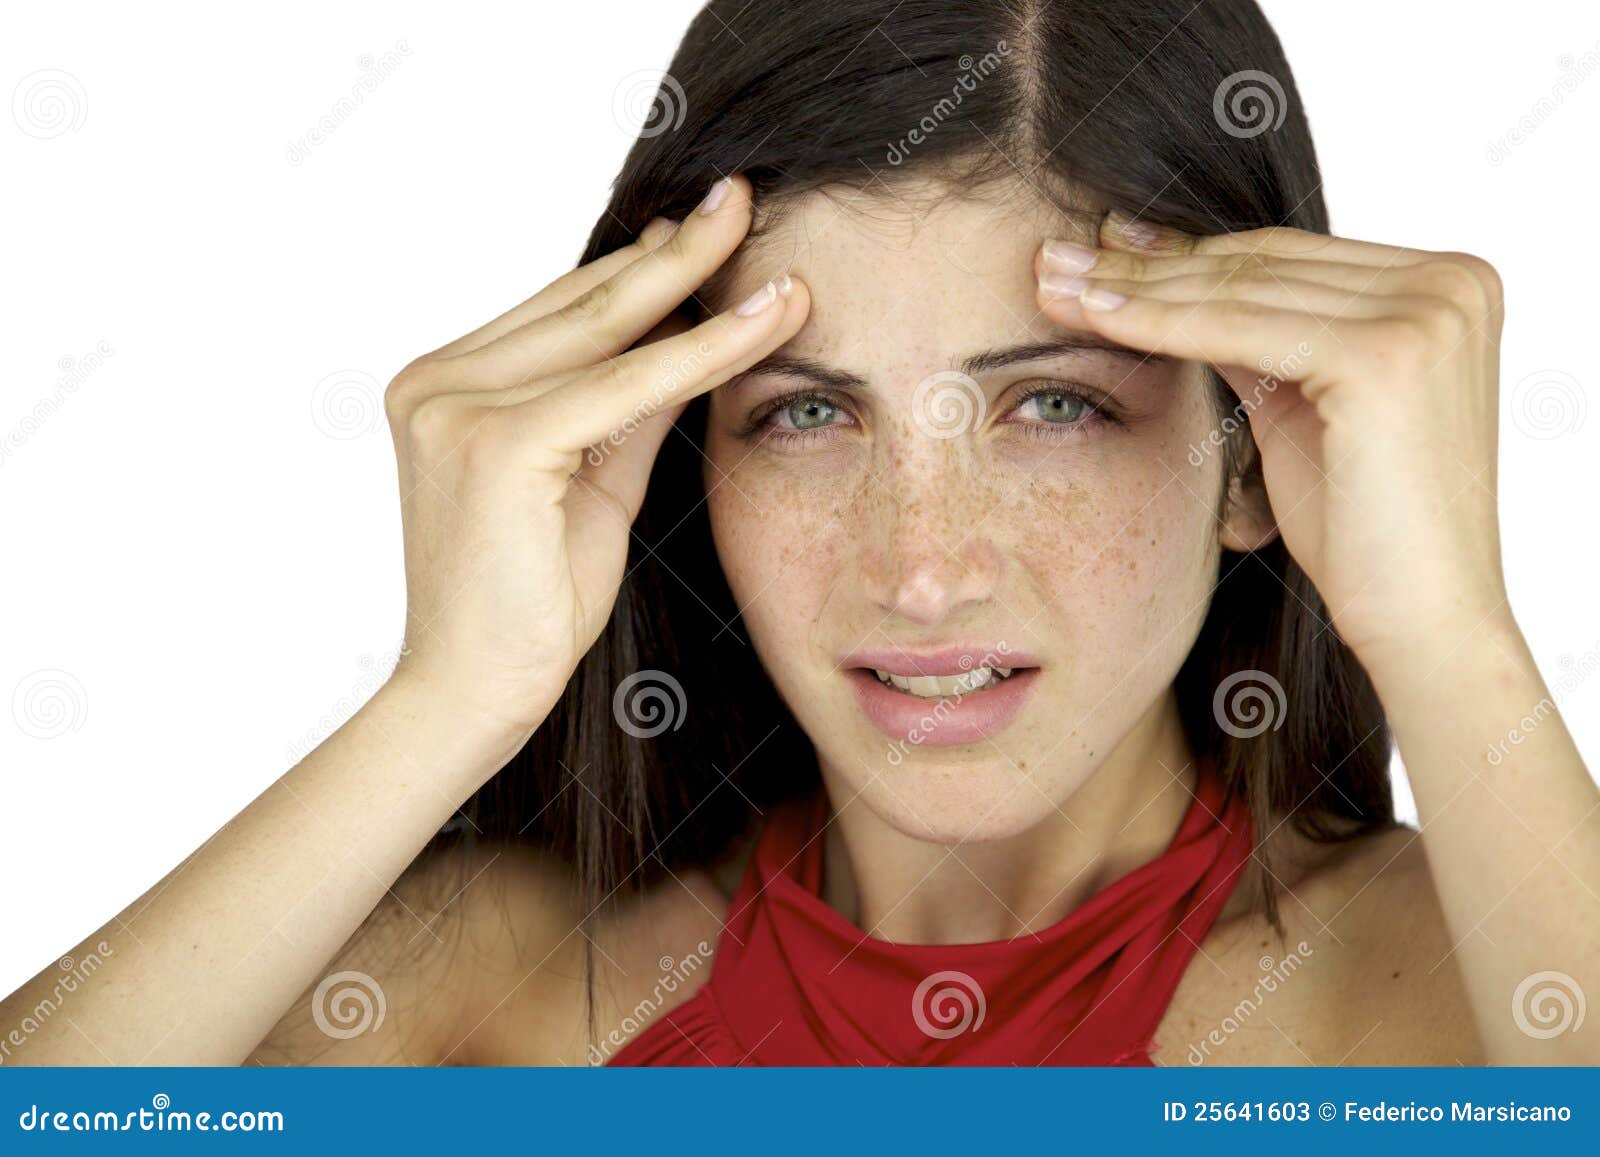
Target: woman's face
[930,466]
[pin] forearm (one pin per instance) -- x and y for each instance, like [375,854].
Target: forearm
[201,967]
[1511,826]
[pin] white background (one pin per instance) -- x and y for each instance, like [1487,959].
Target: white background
[208,558]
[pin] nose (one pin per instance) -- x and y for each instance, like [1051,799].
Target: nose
[927,554]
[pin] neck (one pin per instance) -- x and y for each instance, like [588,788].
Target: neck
[910,891]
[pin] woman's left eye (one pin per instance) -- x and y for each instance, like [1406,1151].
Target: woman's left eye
[1058,407]
[806,414]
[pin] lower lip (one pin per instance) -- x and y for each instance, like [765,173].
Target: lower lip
[942,722]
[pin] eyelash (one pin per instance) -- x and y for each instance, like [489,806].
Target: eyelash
[1096,411]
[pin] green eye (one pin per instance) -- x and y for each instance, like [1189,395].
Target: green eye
[808,414]
[1055,406]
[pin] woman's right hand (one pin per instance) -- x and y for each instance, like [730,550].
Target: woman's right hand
[525,447]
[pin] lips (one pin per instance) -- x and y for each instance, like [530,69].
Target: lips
[944,697]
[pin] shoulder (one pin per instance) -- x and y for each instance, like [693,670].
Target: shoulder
[528,953]
[1365,972]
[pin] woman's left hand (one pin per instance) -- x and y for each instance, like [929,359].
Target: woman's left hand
[1369,375]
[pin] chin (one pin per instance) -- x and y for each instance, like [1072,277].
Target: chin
[937,800]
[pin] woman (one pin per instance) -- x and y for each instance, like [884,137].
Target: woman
[999,667]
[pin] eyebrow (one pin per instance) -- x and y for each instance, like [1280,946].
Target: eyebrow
[787,365]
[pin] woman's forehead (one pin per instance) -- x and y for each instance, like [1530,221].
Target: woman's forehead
[907,268]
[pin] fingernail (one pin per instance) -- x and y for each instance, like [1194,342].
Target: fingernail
[1136,232]
[717,195]
[1099,298]
[1060,285]
[757,301]
[785,285]
[1065,257]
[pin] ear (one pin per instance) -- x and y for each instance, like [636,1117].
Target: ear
[1247,522]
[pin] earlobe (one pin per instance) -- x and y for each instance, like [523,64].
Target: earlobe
[1247,520]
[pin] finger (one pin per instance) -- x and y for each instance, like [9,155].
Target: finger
[613,314]
[1311,297]
[653,377]
[559,292]
[1219,332]
[1119,231]
[1051,258]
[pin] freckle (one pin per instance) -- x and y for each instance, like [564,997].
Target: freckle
[1396,976]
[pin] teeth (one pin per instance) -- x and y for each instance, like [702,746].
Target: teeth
[943,686]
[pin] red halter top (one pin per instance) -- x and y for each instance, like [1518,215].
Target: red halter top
[795,983]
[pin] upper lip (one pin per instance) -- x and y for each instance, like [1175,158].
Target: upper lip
[951,660]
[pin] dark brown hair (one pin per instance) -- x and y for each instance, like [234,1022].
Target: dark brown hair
[1151,106]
